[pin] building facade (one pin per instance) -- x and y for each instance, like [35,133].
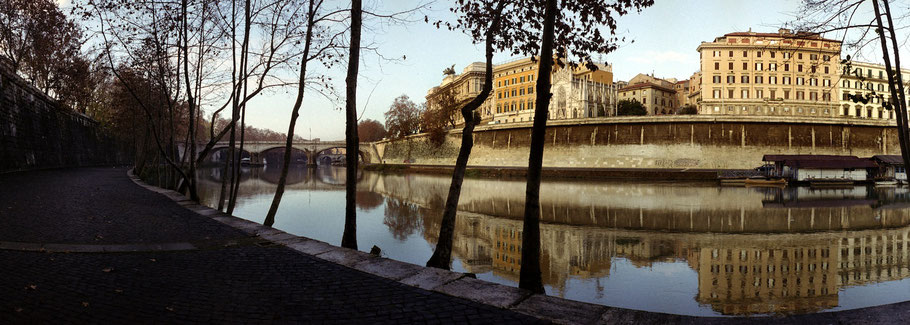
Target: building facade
[866,80]
[463,87]
[657,95]
[781,73]
[577,92]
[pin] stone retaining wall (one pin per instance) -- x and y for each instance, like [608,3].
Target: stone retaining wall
[36,132]
[699,142]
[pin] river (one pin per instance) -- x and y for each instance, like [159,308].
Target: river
[681,248]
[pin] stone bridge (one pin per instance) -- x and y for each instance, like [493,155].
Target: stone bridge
[302,151]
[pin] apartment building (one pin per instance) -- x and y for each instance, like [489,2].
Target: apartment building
[657,95]
[781,73]
[464,87]
[868,80]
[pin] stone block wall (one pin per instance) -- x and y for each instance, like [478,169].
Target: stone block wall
[698,142]
[36,132]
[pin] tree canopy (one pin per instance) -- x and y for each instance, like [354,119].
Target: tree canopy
[632,107]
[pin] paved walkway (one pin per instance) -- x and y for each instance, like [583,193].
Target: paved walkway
[169,264]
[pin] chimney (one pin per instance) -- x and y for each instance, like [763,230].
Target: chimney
[784,31]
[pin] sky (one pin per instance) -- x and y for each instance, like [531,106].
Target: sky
[662,40]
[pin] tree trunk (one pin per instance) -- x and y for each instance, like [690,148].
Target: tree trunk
[244,57]
[902,102]
[230,126]
[897,98]
[529,277]
[349,238]
[442,255]
[282,180]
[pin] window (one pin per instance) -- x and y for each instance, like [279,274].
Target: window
[788,55]
[846,83]
[745,79]
[759,94]
[731,79]
[800,95]
[730,65]
[745,93]
[499,95]
[716,94]
[786,80]
[772,54]
[826,70]
[826,82]
[773,95]
[745,66]
[786,94]
[772,66]
[759,79]
[813,96]
[729,93]
[530,90]
[716,54]
[513,92]
[745,54]
[772,80]
[758,67]
[812,69]
[799,68]
[799,56]
[521,79]
[716,79]
[731,54]
[758,54]
[786,67]
[813,56]
[716,65]
[826,58]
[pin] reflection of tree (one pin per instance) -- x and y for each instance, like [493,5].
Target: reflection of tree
[401,217]
[367,200]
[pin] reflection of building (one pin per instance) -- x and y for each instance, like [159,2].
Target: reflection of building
[781,73]
[793,257]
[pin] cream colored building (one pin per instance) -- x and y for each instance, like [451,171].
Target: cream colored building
[466,86]
[859,78]
[657,95]
[781,73]
[693,94]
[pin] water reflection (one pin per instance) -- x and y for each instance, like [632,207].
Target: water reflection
[678,248]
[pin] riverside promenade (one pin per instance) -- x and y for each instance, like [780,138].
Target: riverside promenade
[91,245]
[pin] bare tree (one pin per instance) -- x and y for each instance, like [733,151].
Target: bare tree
[859,31]
[486,15]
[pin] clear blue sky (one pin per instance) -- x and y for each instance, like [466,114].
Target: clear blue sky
[665,39]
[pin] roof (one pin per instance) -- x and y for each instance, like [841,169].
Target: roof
[889,159]
[821,161]
[832,164]
[797,35]
[806,157]
[647,85]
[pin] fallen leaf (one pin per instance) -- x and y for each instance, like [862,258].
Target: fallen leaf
[18,309]
[153,260]
[107,269]
[118,290]
[169,308]
[84,304]
[32,287]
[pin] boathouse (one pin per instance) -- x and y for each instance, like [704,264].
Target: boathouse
[808,168]
[890,167]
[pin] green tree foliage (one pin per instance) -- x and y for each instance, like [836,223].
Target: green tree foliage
[687,110]
[403,117]
[632,107]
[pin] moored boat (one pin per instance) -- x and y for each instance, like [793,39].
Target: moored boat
[765,181]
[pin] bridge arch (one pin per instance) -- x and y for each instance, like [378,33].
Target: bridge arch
[219,154]
[319,156]
[275,155]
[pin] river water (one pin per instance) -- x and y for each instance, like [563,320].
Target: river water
[681,248]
